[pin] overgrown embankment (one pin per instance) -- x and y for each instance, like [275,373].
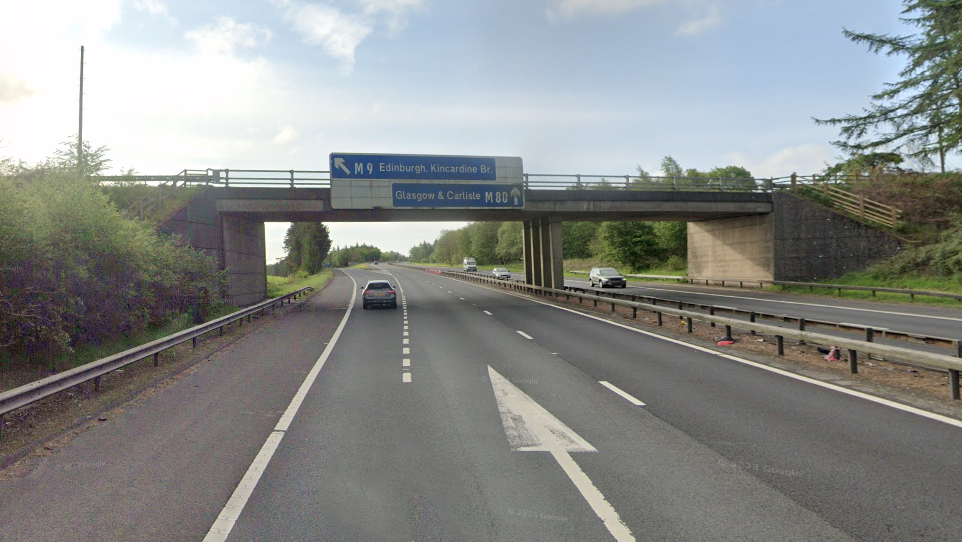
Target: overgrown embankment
[74,271]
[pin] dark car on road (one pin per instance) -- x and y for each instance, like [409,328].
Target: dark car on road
[378,293]
[606,277]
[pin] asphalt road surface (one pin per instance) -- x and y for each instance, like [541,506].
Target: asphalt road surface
[473,414]
[944,322]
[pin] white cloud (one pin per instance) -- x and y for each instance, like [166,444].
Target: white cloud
[573,9]
[397,10]
[802,159]
[338,32]
[286,135]
[13,89]
[227,36]
[700,25]
[154,7]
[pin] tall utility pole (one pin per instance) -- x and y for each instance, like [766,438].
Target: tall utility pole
[80,129]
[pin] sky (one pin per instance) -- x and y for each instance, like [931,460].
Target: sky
[571,86]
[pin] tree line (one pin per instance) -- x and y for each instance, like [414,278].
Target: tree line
[636,245]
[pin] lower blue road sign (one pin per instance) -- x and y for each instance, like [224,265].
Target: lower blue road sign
[427,195]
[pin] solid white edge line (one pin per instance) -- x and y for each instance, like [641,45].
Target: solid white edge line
[878,400]
[621,392]
[224,523]
[818,305]
[525,335]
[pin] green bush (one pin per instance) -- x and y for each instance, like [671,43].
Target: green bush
[74,271]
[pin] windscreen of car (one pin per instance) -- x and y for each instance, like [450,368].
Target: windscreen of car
[608,272]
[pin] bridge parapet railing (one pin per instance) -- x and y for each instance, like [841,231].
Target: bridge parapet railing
[578,181]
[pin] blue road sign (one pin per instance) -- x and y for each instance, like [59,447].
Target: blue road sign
[427,195]
[413,167]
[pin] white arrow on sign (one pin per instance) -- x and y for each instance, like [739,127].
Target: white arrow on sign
[529,427]
[339,163]
[515,193]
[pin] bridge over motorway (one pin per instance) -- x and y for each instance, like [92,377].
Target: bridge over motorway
[737,228]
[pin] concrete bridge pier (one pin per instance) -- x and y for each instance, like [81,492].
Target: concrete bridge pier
[543,256]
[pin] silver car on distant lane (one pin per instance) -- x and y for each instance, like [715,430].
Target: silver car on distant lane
[501,273]
[606,277]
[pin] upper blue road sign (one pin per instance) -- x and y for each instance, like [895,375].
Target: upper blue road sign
[413,167]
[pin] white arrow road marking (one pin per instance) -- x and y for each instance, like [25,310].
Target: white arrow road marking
[529,427]
[339,163]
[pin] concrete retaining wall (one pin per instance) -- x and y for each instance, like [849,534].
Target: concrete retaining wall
[740,247]
[815,243]
[800,240]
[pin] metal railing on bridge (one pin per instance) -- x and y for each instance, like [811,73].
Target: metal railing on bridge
[830,188]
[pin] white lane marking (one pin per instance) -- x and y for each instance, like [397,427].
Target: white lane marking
[449,291]
[224,523]
[405,341]
[622,393]
[405,377]
[488,313]
[406,362]
[898,406]
[406,351]
[525,335]
[819,305]
[406,332]
[529,427]
[405,326]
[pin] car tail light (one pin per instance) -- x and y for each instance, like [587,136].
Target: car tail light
[392,292]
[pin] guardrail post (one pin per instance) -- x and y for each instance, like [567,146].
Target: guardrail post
[801,327]
[578,180]
[1,425]
[96,383]
[711,312]
[221,328]
[728,330]
[292,178]
[780,345]
[869,335]
[751,318]
[659,318]
[596,302]
[612,307]
[634,312]
[853,361]
[156,359]
[953,385]
[688,322]
[627,185]
[226,177]
[193,342]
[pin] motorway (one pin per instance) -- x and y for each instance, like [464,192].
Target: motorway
[470,413]
[944,322]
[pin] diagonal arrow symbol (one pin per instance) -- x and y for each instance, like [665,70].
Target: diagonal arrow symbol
[339,163]
[529,427]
